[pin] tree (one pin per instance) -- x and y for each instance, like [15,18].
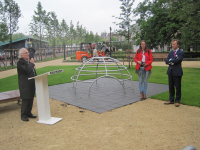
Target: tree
[18,36]
[87,37]
[53,29]
[80,32]
[126,20]
[3,28]
[96,38]
[113,39]
[72,32]
[39,22]
[156,27]
[64,31]
[91,37]
[11,13]
[3,32]
[162,20]
[188,12]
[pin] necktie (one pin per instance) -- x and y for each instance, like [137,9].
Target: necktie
[174,53]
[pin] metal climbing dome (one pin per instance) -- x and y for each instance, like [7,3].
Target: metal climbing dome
[101,67]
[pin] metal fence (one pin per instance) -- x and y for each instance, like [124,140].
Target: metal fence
[41,54]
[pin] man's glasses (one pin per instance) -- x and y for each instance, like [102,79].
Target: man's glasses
[26,53]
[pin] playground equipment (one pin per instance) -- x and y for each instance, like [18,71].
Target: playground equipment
[106,67]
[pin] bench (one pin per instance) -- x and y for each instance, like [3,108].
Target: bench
[156,56]
[130,56]
[10,96]
[161,56]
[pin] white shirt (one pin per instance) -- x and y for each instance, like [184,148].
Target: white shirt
[143,58]
[176,51]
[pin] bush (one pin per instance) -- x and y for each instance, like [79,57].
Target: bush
[73,57]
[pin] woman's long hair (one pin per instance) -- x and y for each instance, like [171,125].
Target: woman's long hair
[140,48]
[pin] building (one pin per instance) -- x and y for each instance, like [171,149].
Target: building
[25,42]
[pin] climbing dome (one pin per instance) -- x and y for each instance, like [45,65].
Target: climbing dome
[97,68]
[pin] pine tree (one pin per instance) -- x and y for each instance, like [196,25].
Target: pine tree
[39,22]
[64,31]
[125,20]
[11,14]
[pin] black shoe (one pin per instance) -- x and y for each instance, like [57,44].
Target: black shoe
[31,116]
[24,118]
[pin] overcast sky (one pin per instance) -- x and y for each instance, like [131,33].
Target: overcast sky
[94,15]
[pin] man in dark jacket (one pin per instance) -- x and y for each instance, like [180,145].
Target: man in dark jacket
[175,73]
[26,87]
[31,53]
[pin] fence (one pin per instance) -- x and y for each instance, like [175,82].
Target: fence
[41,54]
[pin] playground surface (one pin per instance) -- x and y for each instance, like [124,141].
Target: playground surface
[144,125]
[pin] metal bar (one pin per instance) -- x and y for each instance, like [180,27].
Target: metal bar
[104,77]
[105,73]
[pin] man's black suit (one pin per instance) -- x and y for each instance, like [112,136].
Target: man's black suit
[175,74]
[26,87]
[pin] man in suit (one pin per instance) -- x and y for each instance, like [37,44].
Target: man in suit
[175,73]
[26,70]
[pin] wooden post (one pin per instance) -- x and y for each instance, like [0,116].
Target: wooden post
[131,63]
[45,54]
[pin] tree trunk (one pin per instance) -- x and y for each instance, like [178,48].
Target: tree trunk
[40,42]
[11,56]
[53,47]
[64,50]
[128,49]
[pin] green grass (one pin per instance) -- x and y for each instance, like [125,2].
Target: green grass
[190,81]
[189,85]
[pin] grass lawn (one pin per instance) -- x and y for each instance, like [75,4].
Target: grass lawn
[190,81]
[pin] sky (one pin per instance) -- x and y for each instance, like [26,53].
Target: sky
[94,15]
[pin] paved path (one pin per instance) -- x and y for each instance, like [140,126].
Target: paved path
[106,95]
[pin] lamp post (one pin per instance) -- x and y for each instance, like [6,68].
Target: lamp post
[110,41]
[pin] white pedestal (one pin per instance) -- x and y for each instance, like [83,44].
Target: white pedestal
[51,121]
[42,94]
